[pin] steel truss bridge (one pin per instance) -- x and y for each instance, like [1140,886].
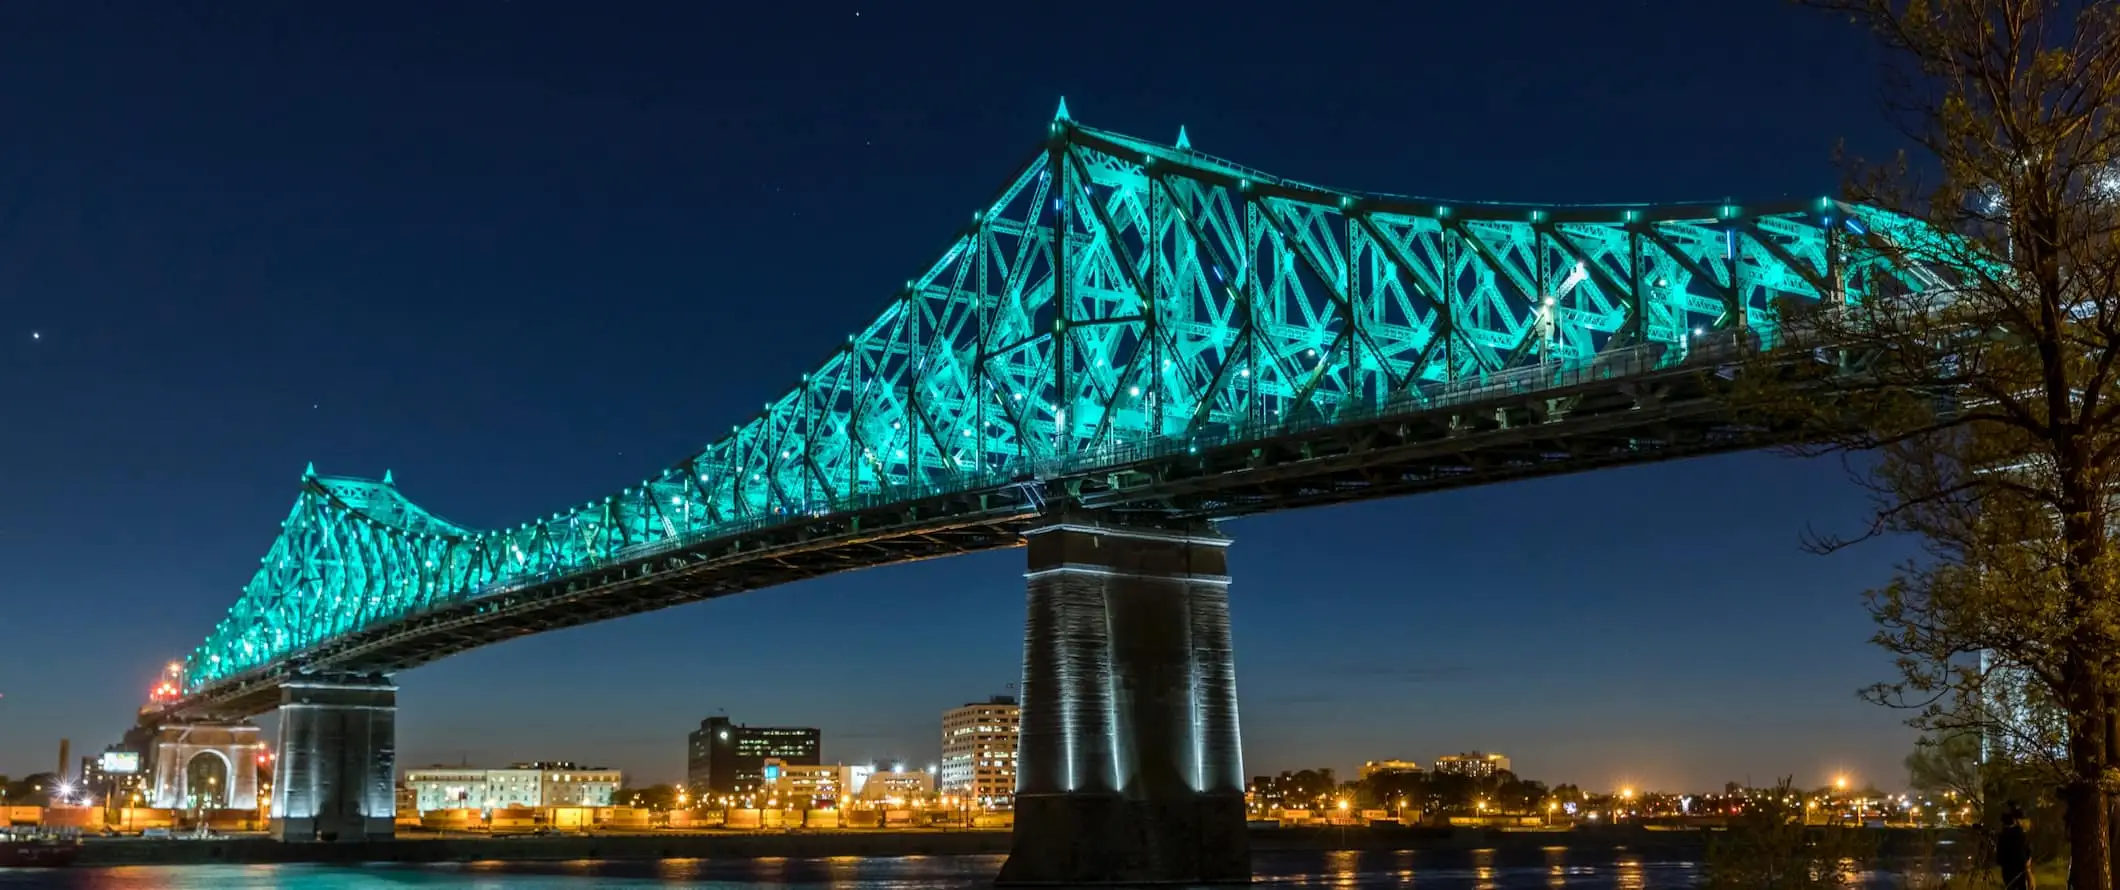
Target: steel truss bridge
[1128,327]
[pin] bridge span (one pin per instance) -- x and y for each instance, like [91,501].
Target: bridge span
[1131,342]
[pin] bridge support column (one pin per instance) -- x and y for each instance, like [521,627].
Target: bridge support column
[1129,769]
[335,779]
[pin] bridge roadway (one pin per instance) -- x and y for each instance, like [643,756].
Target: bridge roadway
[1622,410]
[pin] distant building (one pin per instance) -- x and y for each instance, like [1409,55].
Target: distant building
[898,783]
[1476,764]
[115,773]
[542,784]
[979,751]
[1388,767]
[2017,723]
[1303,789]
[800,786]
[725,758]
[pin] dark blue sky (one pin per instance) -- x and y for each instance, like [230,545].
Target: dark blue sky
[521,253]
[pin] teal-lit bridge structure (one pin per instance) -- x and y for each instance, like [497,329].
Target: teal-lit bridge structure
[1131,330]
[1129,325]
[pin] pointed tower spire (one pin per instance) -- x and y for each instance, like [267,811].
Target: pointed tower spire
[387,480]
[310,471]
[1184,144]
[1061,113]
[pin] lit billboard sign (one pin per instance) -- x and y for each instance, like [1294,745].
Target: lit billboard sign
[126,762]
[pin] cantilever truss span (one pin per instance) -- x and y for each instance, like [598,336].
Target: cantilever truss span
[1128,325]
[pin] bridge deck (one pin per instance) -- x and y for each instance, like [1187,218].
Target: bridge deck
[1500,435]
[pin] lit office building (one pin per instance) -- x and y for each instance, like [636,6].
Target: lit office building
[1475,764]
[979,751]
[729,758]
[544,784]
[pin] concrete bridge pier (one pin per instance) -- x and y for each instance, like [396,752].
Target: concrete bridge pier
[335,779]
[201,765]
[1129,769]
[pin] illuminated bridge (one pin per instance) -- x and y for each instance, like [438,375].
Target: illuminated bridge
[1131,341]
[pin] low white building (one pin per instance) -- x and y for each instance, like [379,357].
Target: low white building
[899,785]
[797,785]
[558,784]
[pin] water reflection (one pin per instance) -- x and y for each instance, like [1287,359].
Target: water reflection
[1427,869]
[1627,874]
[1556,866]
[1343,868]
[1483,876]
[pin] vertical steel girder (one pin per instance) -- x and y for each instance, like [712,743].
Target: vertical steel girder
[1117,294]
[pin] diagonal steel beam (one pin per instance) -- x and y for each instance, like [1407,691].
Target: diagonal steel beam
[1604,279]
[1733,312]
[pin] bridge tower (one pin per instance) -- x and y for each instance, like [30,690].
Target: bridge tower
[1129,768]
[335,778]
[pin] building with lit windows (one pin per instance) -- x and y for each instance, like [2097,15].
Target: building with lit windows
[1475,764]
[2018,726]
[979,751]
[543,784]
[115,773]
[1391,767]
[898,784]
[802,786]
[724,758]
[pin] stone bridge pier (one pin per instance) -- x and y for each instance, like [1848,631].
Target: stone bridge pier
[1129,768]
[335,779]
[202,765]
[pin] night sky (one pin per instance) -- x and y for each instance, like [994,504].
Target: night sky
[522,254]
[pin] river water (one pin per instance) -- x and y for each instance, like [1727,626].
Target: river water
[1473,870]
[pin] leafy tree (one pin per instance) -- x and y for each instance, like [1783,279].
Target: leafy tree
[1520,795]
[1385,790]
[1947,765]
[1983,386]
[1309,787]
[34,789]
[1452,792]
[1768,847]
[654,797]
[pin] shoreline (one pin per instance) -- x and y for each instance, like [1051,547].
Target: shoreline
[1503,845]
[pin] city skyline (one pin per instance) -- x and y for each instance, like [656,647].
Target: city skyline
[1525,620]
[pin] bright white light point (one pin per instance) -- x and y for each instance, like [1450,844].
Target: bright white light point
[35,335]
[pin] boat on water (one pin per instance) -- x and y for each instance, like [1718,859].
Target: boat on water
[39,852]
